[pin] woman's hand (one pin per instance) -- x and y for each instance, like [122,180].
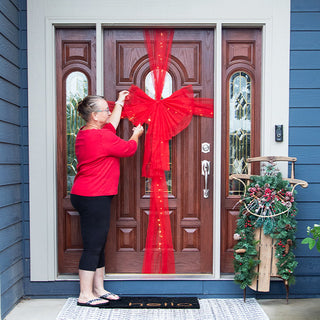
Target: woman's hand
[116,113]
[138,130]
[122,96]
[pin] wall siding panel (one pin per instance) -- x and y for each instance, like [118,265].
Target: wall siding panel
[304,130]
[305,60]
[9,195]
[301,116]
[311,194]
[304,98]
[10,174]
[308,266]
[12,296]
[10,256]
[304,135]
[10,215]
[11,113]
[305,5]
[10,11]
[9,133]
[10,154]
[305,20]
[9,50]
[11,182]
[304,79]
[305,40]
[9,91]
[310,172]
[11,276]
[10,235]
[8,29]
[9,71]
[309,210]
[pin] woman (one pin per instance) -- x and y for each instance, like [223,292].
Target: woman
[98,150]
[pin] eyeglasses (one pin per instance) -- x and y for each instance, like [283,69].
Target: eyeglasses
[103,110]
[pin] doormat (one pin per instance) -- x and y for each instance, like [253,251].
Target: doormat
[154,303]
[210,309]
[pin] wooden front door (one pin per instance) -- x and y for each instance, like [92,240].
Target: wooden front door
[241,87]
[126,63]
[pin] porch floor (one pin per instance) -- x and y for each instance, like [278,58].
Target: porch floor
[276,309]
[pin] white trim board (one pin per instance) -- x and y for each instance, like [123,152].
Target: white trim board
[44,15]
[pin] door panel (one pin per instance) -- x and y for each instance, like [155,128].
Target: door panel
[75,74]
[126,63]
[241,87]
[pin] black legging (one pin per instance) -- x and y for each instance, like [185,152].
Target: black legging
[94,222]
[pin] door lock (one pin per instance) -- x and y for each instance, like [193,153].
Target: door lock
[205,147]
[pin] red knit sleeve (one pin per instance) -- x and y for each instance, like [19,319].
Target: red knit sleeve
[114,146]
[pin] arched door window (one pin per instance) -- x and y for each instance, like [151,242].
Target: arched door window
[166,92]
[167,88]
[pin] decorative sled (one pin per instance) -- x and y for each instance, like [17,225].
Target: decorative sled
[266,245]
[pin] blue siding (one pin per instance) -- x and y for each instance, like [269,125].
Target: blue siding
[305,60]
[11,187]
[300,116]
[305,5]
[24,140]
[307,98]
[304,79]
[304,132]
[305,21]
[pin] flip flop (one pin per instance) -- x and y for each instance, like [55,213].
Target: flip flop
[110,296]
[90,304]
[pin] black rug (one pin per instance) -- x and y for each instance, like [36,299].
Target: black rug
[154,303]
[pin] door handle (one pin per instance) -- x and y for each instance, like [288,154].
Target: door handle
[205,166]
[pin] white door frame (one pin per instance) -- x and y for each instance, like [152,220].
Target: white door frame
[43,16]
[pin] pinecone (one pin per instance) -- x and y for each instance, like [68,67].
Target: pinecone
[240,250]
[259,194]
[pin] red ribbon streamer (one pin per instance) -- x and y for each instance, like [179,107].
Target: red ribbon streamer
[165,119]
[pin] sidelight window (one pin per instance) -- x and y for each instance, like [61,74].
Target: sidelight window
[76,89]
[239,127]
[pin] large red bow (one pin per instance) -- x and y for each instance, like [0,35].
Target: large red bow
[165,118]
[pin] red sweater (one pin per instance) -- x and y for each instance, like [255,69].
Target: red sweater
[98,153]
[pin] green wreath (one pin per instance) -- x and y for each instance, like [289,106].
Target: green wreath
[268,203]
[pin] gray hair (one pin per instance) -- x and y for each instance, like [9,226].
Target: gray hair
[88,105]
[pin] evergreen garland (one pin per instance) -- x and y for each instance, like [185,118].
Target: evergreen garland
[269,204]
